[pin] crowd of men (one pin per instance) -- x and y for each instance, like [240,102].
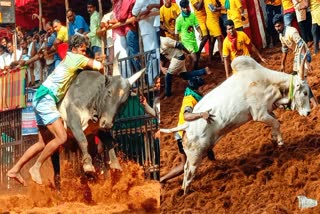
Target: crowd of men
[223,21]
[119,29]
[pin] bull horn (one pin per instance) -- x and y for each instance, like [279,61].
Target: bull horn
[136,76]
[302,69]
[176,129]
[115,66]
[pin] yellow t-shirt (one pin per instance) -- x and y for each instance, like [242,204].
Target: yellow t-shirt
[287,4]
[234,13]
[200,14]
[188,101]
[242,46]
[315,11]
[212,21]
[63,34]
[273,2]
[168,17]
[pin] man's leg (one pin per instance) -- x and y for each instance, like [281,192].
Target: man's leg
[32,151]
[60,137]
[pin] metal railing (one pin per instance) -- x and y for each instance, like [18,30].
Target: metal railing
[133,132]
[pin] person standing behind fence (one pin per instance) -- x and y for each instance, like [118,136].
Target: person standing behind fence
[95,41]
[61,42]
[107,34]
[149,37]
[45,105]
[76,24]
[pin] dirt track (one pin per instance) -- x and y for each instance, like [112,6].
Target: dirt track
[250,175]
[121,193]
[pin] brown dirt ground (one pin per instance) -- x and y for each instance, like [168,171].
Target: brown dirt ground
[121,192]
[250,174]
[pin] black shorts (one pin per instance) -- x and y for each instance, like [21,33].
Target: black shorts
[180,146]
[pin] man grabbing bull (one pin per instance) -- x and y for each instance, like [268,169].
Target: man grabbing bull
[45,105]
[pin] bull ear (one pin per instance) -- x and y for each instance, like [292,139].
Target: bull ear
[136,76]
[302,69]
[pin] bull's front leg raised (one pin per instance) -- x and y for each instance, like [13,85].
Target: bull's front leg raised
[76,128]
[275,126]
[193,161]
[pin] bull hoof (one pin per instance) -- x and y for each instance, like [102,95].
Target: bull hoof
[280,143]
[87,168]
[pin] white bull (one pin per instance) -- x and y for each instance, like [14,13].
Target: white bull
[248,94]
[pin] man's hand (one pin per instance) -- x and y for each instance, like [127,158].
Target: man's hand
[264,60]
[143,100]
[207,116]
[164,70]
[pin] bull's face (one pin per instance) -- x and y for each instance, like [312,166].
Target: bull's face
[116,94]
[300,101]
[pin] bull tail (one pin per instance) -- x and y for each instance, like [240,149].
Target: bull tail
[176,129]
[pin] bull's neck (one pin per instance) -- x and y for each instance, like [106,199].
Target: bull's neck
[282,80]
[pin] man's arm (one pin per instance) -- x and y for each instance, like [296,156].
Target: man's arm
[283,60]
[188,116]
[226,65]
[256,51]
[198,5]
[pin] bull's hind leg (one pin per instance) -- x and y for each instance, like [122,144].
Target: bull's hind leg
[76,128]
[193,161]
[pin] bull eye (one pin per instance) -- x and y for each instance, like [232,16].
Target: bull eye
[109,93]
[305,93]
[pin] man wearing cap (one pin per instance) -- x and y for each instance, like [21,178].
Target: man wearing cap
[190,99]
[291,39]
[237,43]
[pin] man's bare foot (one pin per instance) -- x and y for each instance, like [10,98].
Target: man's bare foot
[16,176]
[208,72]
[35,174]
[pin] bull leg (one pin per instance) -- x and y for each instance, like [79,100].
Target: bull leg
[192,163]
[275,125]
[76,128]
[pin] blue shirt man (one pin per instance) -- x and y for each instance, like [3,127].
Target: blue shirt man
[77,24]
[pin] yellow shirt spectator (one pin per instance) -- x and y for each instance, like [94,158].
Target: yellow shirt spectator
[287,4]
[168,17]
[273,2]
[63,34]
[212,21]
[241,47]
[201,16]
[234,12]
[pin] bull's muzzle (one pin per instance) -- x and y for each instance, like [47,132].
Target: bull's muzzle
[105,124]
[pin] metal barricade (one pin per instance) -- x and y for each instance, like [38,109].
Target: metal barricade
[12,145]
[134,130]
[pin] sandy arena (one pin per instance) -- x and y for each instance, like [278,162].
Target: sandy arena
[250,174]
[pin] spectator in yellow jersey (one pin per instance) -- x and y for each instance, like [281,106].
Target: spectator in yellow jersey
[235,13]
[200,13]
[213,8]
[288,12]
[168,14]
[237,43]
